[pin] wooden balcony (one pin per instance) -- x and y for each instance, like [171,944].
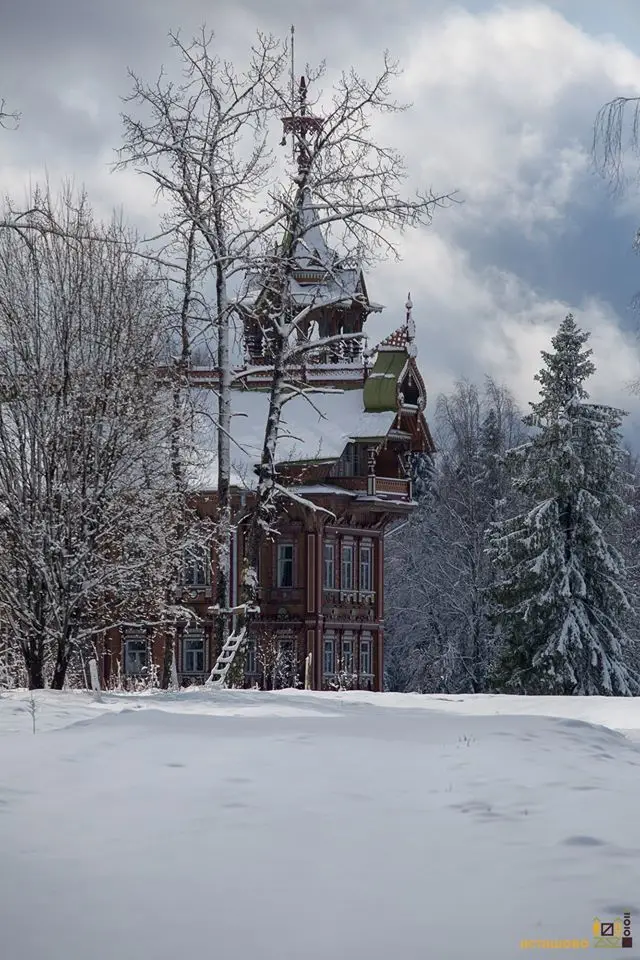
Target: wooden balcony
[396,488]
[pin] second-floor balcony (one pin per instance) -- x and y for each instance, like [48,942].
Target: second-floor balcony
[393,488]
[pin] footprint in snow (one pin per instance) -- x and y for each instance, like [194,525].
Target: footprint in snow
[584,841]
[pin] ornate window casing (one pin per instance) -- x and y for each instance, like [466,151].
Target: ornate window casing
[135,654]
[366,655]
[329,565]
[194,652]
[329,654]
[347,570]
[285,565]
[196,571]
[347,659]
[366,569]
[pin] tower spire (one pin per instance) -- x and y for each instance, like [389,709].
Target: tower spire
[300,124]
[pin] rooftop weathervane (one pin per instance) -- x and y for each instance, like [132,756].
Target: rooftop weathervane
[300,124]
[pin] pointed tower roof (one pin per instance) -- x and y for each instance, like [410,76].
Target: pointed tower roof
[319,274]
[311,249]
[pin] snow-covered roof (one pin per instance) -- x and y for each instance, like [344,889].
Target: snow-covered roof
[313,427]
[340,287]
[319,276]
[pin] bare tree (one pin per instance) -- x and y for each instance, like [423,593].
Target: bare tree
[440,638]
[204,142]
[88,499]
[616,131]
[346,185]
[8,117]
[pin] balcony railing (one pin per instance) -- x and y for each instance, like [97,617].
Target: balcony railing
[397,487]
[335,595]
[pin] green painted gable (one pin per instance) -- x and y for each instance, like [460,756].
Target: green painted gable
[381,386]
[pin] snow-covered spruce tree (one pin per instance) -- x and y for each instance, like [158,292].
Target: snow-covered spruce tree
[627,540]
[560,594]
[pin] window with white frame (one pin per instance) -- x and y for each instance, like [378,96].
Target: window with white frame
[329,580]
[366,567]
[251,664]
[347,651]
[329,656]
[366,660]
[347,566]
[197,565]
[284,572]
[193,649]
[136,655]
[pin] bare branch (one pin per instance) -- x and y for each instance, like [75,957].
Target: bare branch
[616,131]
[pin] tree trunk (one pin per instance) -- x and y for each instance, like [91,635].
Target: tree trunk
[223,538]
[33,654]
[168,657]
[63,656]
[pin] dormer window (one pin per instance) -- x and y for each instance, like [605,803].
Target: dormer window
[410,391]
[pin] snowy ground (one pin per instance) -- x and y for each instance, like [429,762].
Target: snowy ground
[239,826]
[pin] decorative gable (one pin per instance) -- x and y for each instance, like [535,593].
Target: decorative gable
[398,340]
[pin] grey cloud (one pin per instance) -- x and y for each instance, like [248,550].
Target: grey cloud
[48,50]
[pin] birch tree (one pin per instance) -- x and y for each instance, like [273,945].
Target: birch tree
[86,490]
[205,144]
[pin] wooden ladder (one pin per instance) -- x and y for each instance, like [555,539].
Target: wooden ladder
[230,647]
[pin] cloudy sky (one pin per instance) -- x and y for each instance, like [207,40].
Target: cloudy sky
[504,98]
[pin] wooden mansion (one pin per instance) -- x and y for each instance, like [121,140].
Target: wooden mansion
[321,621]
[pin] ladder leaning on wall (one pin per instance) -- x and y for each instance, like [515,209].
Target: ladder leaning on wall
[230,648]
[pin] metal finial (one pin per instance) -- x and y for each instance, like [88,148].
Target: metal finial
[300,123]
[411,327]
[409,306]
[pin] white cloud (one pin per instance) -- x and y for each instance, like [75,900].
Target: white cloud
[476,322]
[504,103]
